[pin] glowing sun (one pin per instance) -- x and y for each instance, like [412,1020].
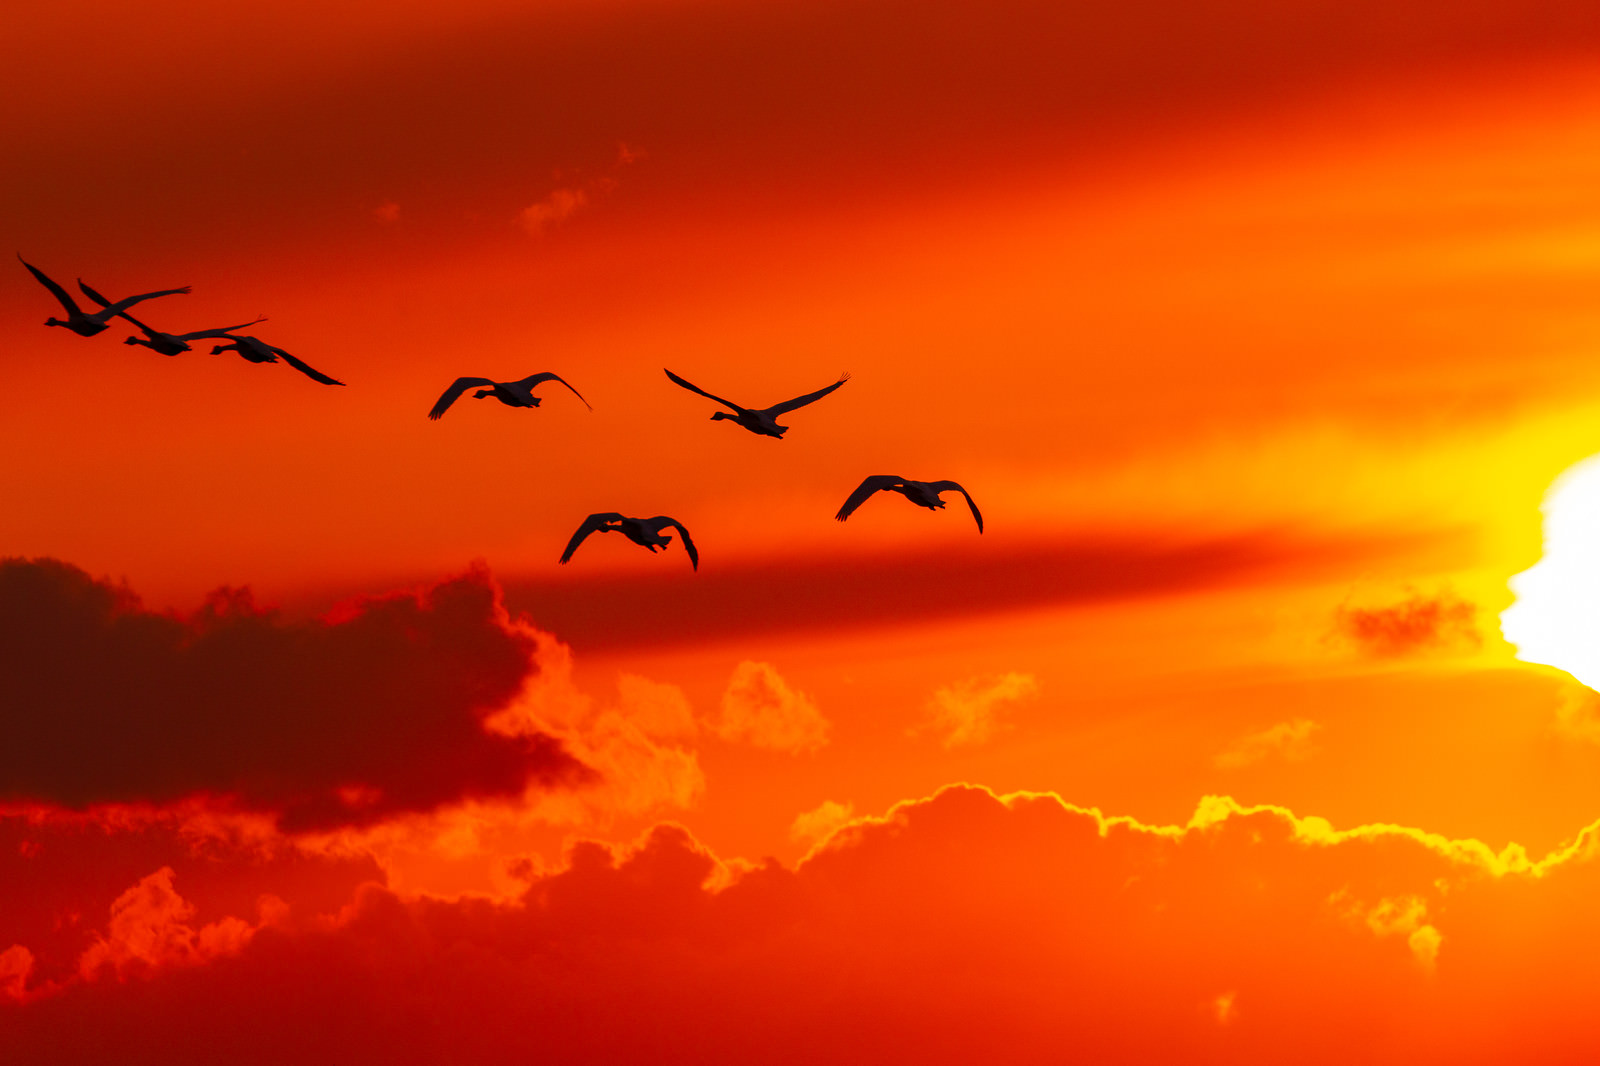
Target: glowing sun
[1556,617]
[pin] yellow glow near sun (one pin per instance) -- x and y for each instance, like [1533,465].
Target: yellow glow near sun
[1556,616]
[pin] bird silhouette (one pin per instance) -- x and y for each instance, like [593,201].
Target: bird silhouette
[764,422]
[510,393]
[255,350]
[642,531]
[921,493]
[157,341]
[83,323]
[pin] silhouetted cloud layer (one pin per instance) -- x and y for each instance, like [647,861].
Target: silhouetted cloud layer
[375,710]
[961,928]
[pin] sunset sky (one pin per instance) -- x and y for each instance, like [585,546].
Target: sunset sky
[1259,331]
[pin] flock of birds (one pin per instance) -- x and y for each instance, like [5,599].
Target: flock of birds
[646,532]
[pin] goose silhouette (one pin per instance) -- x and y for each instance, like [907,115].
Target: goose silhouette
[764,422]
[510,393]
[157,341]
[83,323]
[921,493]
[255,350]
[642,531]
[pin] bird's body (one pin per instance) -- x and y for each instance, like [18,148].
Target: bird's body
[921,493]
[86,324]
[154,339]
[645,532]
[255,350]
[510,393]
[764,421]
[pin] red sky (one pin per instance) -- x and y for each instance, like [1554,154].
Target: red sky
[1257,331]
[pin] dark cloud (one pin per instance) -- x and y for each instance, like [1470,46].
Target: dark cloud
[339,721]
[959,928]
[1418,623]
[833,594]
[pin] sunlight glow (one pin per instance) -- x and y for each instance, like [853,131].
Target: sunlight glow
[1556,616]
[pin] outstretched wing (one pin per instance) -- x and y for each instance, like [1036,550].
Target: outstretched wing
[534,379]
[201,334]
[591,524]
[655,525]
[947,486]
[875,483]
[122,304]
[314,375]
[454,391]
[56,290]
[105,303]
[703,392]
[800,401]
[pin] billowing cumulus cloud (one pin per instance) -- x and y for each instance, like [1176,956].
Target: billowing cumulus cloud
[150,927]
[760,708]
[1288,740]
[969,712]
[947,929]
[377,709]
[1416,624]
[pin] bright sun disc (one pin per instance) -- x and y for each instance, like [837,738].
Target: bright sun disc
[1556,616]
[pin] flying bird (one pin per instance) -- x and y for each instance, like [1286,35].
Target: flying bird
[642,531]
[510,393]
[765,421]
[921,493]
[256,350]
[154,339]
[81,322]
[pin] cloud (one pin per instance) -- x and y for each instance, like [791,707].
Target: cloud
[638,746]
[833,594]
[759,708]
[16,963]
[558,206]
[967,713]
[818,824]
[1291,740]
[935,933]
[1416,624]
[377,709]
[563,202]
[387,212]
[61,871]
[150,928]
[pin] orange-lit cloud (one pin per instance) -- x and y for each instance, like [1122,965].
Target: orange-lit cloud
[819,823]
[759,707]
[379,709]
[150,928]
[968,712]
[1289,740]
[1418,623]
[16,963]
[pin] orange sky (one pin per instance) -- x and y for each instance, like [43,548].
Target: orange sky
[1257,331]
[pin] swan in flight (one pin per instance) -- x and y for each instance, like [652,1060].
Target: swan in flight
[921,493]
[643,531]
[80,322]
[510,393]
[154,339]
[258,351]
[764,422]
